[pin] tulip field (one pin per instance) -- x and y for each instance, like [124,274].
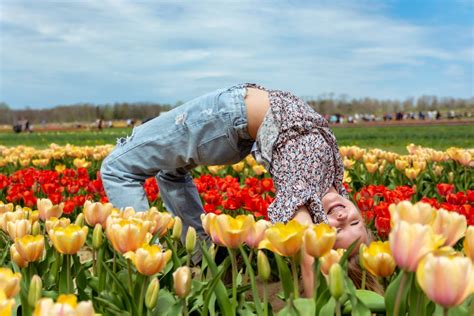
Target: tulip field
[67,251]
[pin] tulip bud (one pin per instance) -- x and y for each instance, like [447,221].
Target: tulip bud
[36,228]
[450,177]
[263,266]
[212,251]
[182,281]
[336,281]
[151,297]
[177,228]
[97,237]
[190,239]
[79,220]
[34,292]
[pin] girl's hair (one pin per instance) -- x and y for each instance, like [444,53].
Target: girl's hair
[355,271]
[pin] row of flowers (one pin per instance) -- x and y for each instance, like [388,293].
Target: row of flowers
[128,271]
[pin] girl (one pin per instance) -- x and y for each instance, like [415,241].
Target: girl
[283,132]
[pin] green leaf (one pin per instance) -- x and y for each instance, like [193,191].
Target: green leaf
[323,298]
[329,308]
[402,282]
[305,306]
[165,301]
[285,276]
[220,289]
[248,265]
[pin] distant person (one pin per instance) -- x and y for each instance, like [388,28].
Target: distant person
[438,115]
[100,122]
[28,126]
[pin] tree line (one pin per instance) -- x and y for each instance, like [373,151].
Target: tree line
[326,104]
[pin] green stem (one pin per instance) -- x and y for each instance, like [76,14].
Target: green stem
[234,279]
[185,307]
[142,296]
[246,275]
[338,308]
[396,309]
[445,311]
[316,267]
[129,267]
[68,273]
[295,276]
[94,260]
[362,283]
[265,299]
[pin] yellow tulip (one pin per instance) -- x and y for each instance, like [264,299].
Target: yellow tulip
[81,163]
[18,228]
[401,164]
[451,225]
[30,247]
[464,158]
[420,213]
[231,231]
[238,167]
[53,222]
[68,240]
[96,213]
[419,164]
[348,163]
[378,259]
[182,281]
[149,259]
[259,170]
[371,167]
[9,282]
[47,209]
[17,258]
[60,167]
[412,173]
[346,178]
[65,305]
[469,242]
[410,242]
[446,279]
[256,232]
[319,239]
[6,304]
[127,234]
[330,258]
[284,239]
[250,160]
[438,170]
[5,207]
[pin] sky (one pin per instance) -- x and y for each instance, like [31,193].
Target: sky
[68,52]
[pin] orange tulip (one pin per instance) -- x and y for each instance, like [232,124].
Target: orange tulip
[30,247]
[96,213]
[16,257]
[371,167]
[410,242]
[231,231]
[451,225]
[182,281]
[446,278]
[68,240]
[127,234]
[284,239]
[330,258]
[319,239]
[149,259]
[9,282]
[18,228]
[47,209]
[5,207]
[378,259]
[65,305]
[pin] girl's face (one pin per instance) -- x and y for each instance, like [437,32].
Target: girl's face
[344,216]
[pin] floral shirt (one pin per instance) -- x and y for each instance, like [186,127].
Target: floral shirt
[296,146]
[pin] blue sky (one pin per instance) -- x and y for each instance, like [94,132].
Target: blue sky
[66,52]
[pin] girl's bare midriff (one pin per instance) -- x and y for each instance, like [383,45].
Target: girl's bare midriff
[257,104]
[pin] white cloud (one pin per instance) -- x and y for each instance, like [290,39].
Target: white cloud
[177,49]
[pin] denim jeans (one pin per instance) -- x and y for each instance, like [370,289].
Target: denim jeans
[208,130]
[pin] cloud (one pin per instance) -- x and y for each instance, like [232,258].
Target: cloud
[105,51]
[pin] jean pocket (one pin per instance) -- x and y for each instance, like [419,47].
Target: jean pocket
[218,151]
